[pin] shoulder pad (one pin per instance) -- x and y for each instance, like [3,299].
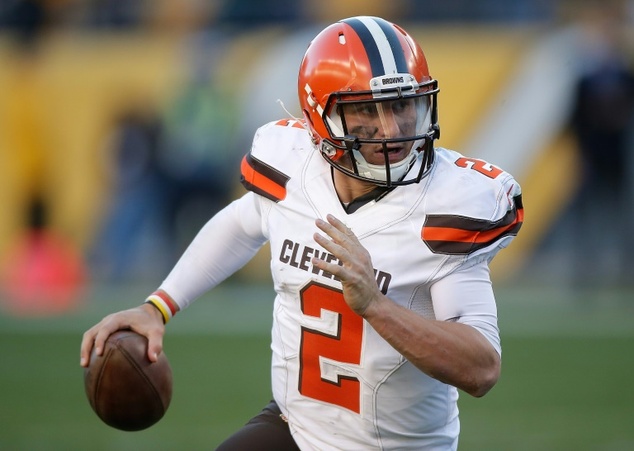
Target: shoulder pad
[278,149]
[472,205]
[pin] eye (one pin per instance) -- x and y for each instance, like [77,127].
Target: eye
[367,109]
[399,106]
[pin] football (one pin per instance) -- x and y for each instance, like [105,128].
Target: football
[125,389]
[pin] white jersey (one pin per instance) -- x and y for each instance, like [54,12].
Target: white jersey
[339,384]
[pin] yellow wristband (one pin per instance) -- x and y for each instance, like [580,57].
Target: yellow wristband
[164,305]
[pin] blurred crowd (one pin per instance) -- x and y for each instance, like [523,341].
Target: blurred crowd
[25,15]
[168,167]
[602,122]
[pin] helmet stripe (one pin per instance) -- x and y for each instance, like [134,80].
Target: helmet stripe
[397,51]
[381,45]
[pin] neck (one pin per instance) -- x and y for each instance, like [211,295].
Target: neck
[348,188]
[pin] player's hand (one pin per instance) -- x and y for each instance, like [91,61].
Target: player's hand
[144,319]
[355,271]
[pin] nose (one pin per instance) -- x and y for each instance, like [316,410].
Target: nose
[390,126]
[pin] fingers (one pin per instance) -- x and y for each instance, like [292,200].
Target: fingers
[343,244]
[92,339]
[155,345]
[353,266]
[95,337]
[144,320]
[334,246]
[86,348]
[340,236]
[154,332]
[336,229]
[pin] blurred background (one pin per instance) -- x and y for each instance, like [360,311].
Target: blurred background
[122,125]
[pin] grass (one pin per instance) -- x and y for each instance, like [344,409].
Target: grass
[44,406]
[556,394]
[561,388]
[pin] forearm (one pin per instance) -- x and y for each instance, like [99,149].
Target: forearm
[454,353]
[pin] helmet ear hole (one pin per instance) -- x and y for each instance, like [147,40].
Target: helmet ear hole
[311,127]
[307,117]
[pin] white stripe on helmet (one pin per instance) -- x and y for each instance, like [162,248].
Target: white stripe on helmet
[387,56]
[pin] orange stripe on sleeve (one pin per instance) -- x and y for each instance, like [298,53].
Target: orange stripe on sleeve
[258,182]
[468,236]
[454,235]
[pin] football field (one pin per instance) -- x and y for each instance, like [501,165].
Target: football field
[567,378]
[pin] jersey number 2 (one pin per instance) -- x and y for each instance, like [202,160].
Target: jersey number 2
[344,346]
[480,166]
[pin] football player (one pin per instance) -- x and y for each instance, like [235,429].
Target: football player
[380,244]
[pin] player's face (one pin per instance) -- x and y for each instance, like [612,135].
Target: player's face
[385,120]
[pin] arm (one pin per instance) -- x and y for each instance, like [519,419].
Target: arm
[452,352]
[229,240]
[223,246]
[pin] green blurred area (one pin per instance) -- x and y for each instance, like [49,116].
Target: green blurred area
[565,385]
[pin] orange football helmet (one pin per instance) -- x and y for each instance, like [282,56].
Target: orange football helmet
[364,81]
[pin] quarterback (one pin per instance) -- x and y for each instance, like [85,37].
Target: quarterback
[380,244]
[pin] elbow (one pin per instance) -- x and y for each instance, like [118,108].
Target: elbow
[482,388]
[485,381]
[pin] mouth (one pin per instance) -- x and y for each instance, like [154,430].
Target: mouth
[394,153]
[375,153]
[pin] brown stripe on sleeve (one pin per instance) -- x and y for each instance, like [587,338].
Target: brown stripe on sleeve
[263,179]
[453,234]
